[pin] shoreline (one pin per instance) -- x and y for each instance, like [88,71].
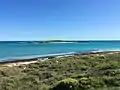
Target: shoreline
[37,59]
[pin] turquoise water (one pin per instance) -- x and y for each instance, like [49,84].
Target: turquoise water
[15,50]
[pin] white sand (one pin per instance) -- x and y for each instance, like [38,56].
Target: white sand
[19,63]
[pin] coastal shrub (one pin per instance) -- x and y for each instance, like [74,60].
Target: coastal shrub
[111,81]
[67,84]
[81,76]
[90,82]
[112,72]
[44,87]
[108,65]
[109,88]
[2,73]
[86,81]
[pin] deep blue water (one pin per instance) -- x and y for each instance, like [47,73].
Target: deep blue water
[14,50]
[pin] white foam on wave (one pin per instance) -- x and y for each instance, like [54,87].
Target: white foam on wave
[34,56]
[53,55]
[103,50]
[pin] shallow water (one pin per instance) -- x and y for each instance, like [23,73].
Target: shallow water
[14,50]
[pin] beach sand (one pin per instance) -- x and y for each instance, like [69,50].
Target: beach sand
[19,63]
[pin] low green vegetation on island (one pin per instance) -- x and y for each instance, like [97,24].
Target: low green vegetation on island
[63,41]
[79,72]
[43,42]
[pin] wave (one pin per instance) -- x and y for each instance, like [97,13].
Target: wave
[8,59]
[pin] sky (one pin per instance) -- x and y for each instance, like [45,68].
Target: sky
[59,19]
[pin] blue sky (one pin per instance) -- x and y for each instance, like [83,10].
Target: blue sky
[59,19]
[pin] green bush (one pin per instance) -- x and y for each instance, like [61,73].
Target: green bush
[44,87]
[108,65]
[112,72]
[67,84]
[90,82]
[112,81]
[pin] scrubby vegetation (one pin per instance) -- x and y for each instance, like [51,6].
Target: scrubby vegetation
[79,72]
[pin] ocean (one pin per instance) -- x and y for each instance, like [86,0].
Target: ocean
[21,50]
